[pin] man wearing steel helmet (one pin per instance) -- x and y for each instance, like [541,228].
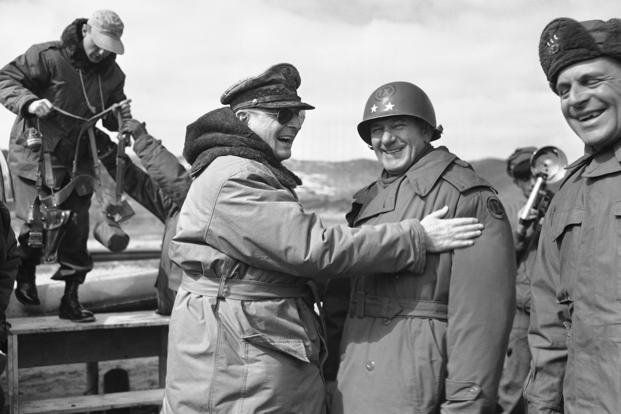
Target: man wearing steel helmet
[243,334]
[575,329]
[78,76]
[432,339]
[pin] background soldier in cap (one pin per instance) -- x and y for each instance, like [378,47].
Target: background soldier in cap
[77,75]
[161,190]
[575,331]
[243,333]
[525,238]
[429,339]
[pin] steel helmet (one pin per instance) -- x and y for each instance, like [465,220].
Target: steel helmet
[398,98]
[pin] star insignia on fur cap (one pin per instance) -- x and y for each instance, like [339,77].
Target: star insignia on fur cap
[553,44]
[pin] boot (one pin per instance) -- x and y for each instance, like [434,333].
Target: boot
[70,307]
[26,289]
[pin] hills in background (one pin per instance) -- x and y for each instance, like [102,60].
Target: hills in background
[327,189]
[332,184]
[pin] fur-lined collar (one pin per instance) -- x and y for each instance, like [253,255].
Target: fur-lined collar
[219,133]
[71,40]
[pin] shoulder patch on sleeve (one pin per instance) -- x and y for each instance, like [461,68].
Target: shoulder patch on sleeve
[495,207]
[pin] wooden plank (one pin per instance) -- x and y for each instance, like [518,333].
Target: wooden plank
[13,373]
[40,324]
[163,358]
[89,346]
[93,402]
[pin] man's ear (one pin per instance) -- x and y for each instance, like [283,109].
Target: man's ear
[242,116]
[84,29]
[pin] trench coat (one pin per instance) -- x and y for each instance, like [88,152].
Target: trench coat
[575,327]
[243,336]
[430,341]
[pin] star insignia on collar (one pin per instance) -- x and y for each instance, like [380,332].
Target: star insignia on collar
[389,106]
[374,108]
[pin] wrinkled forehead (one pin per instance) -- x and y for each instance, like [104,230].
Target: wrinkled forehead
[599,66]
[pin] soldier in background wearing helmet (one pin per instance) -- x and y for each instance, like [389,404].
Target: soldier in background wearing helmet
[575,323]
[405,346]
[525,238]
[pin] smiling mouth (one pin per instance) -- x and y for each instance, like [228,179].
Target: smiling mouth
[589,116]
[392,150]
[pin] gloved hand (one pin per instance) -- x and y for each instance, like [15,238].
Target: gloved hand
[126,110]
[135,127]
[40,107]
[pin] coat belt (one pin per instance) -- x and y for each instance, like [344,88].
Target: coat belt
[384,307]
[239,289]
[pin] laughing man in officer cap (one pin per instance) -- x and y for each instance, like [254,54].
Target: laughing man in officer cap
[574,330]
[243,334]
[433,339]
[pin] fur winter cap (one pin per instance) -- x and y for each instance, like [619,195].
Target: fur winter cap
[565,41]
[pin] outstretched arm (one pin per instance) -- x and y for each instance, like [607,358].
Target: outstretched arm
[161,164]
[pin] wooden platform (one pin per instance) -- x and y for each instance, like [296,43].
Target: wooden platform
[48,340]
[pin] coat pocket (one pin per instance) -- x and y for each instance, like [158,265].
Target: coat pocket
[429,359]
[565,221]
[276,325]
[288,346]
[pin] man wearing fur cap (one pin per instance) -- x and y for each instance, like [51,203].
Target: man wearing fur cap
[243,334]
[47,87]
[574,332]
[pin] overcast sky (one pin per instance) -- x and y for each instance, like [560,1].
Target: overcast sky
[476,59]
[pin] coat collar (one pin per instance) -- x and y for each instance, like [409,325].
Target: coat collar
[605,162]
[425,173]
[422,176]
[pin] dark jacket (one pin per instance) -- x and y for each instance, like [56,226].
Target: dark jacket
[60,72]
[9,258]
[575,329]
[161,190]
[9,261]
[431,340]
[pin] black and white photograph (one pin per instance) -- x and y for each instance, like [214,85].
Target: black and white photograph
[310,206]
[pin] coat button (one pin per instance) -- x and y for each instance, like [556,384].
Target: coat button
[370,366]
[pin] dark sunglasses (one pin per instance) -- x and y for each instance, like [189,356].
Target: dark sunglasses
[284,115]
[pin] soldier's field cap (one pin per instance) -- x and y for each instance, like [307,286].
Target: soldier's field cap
[518,163]
[565,41]
[274,88]
[106,30]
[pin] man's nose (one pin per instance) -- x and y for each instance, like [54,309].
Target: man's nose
[387,137]
[577,95]
[295,122]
